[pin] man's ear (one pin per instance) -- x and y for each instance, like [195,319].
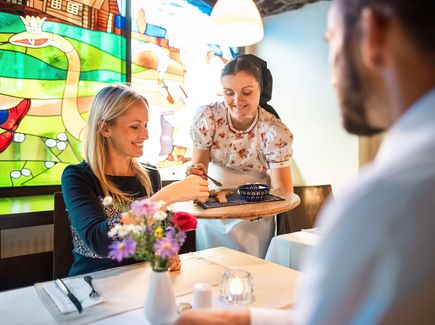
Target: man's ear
[373,41]
[104,129]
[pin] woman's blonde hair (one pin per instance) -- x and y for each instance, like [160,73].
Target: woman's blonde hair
[109,103]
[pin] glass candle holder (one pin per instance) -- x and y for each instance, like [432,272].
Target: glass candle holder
[237,287]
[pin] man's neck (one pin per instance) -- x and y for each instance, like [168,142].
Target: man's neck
[411,76]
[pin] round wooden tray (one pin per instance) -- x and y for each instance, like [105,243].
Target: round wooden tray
[246,211]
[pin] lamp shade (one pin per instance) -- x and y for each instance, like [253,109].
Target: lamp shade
[236,23]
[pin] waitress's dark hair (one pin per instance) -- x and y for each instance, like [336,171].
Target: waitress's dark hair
[257,68]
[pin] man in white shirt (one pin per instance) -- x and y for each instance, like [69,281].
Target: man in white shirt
[376,261]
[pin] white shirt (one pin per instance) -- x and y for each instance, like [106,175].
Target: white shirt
[376,261]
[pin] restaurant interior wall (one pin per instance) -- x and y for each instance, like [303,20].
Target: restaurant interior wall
[297,56]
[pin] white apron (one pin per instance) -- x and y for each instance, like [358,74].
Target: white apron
[251,237]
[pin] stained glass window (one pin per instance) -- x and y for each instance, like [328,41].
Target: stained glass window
[53,63]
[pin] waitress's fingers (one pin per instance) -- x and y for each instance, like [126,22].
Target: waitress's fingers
[196,169]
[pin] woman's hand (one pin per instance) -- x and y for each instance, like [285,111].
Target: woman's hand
[175,263]
[191,188]
[127,219]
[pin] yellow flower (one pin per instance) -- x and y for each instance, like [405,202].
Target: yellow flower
[158,233]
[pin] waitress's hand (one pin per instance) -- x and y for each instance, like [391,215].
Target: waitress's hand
[197,169]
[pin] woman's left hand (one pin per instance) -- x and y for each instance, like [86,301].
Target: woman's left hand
[175,263]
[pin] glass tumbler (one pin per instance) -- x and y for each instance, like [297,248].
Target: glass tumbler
[237,287]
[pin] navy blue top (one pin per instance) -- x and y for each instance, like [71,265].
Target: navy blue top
[90,220]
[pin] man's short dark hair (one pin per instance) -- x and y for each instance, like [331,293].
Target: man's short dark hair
[417,17]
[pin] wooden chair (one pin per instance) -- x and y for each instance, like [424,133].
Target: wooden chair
[62,239]
[304,216]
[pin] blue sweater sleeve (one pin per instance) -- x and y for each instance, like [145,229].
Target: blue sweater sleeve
[82,194]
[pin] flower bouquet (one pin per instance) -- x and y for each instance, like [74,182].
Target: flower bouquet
[155,235]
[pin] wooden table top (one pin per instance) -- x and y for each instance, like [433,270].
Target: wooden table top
[246,211]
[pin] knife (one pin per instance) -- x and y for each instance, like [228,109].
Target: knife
[61,285]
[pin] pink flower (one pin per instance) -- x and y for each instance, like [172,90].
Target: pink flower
[184,221]
[145,207]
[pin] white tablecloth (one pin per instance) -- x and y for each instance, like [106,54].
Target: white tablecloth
[275,287]
[289,249]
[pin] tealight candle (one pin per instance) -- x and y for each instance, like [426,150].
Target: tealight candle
[237,287]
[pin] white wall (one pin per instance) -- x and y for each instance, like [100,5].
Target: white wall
[297,56]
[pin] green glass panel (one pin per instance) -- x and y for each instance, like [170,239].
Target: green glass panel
[32,148]
[49,176]
[39,70]
[36,167]
[101,76]
[47,89]
[47,126]
[11,23]
[26,204]
[68,156]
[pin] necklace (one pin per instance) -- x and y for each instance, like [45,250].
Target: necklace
[250,127]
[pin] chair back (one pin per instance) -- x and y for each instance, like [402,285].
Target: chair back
[62,239]
[304,216]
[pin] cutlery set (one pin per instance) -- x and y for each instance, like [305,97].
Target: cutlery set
[67,292]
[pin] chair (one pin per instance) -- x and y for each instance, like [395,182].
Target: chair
[190,243]
[62,239]
[304,216]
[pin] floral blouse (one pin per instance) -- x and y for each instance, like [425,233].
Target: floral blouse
[265,144]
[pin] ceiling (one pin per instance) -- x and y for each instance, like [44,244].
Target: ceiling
[272,7]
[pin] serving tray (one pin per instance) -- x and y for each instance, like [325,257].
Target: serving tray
[235,199]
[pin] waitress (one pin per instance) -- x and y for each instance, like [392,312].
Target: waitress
[241,140]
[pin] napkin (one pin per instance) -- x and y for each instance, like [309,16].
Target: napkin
[79,288]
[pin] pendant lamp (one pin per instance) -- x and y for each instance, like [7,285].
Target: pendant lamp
[236,23]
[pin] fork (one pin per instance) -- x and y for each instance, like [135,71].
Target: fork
[216,182]
[94,293]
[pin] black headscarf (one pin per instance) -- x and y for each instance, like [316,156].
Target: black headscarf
[266,82]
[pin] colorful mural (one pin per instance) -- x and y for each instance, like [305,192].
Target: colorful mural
[54,60]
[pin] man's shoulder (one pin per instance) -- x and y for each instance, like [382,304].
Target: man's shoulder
[383,197]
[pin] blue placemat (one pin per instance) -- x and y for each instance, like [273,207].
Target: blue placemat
[235,199]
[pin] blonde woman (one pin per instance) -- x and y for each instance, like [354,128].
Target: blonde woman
[116,131]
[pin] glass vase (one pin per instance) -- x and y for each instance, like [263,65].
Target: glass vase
[160,307]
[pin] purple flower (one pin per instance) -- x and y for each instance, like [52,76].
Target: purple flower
[166,247]
[145,207]
[181,237]
[171,232]
[174,233]
[119,250]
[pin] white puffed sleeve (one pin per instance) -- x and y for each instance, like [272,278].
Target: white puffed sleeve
[277,144]
[203,128]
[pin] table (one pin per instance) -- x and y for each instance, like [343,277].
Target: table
[289,249]
[246,211]
[275,287]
